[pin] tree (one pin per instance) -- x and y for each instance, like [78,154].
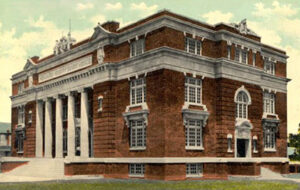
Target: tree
[294,141]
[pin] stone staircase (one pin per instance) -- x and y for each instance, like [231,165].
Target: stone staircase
[40,167]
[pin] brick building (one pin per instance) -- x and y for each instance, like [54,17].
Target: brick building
[166,97]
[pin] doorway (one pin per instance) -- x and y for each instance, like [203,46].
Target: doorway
[242,147]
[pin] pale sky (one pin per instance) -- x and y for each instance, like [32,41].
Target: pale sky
[30,27]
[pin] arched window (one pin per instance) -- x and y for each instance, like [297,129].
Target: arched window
[242,100]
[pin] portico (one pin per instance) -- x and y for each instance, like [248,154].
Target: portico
[52,123]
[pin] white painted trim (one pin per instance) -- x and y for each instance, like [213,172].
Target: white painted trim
[166,160]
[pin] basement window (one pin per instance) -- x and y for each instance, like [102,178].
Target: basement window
[194,170]
[136,170]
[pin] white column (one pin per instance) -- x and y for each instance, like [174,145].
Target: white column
[48,129]
[84,125]
[59,128]
[39,129]
[71,126]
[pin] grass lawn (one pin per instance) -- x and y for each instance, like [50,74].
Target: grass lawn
[152,185]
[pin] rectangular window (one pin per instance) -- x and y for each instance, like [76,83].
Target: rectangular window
[269,67]
[253,59]
[19,142]
[20,88]
[193,90]
[137,134]
[269,102]
[137,47]
[229,142]
[193,46]
[228,52]
[138,91]
[254,145]
[244,56]
[194,170]
[65,141]
[30,116]
[65,112]
[269,138]
[100,102]
[21,115]
[77,141]
[137,170]
[237,54]
[193,134]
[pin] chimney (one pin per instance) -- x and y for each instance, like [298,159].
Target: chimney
[111,26]
[35,58]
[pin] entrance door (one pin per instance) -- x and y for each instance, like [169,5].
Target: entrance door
[242,147]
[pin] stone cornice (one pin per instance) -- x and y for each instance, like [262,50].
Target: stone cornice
[161,58]
[163,21]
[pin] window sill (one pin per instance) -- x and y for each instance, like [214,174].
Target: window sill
[20,152]
[194,175]
[137,148]
[194,148]
[255,151]
[269,150]
[136,175]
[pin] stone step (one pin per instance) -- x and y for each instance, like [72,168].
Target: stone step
[41,167]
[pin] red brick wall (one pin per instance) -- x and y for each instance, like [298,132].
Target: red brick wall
[282,168]
[280,69]
[215,171]
[29,142]
[251,169]
[8,166]
[84,169]
[259,60]
[115,53]
[14,123]
[104,122]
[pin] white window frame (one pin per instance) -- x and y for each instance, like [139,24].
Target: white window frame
[254,141]
[253,59]
[100,103]
[228,52]
[198,170]
[135,86]
[197,49]
[244,51]
[21,115]
[197,127]
[189,86]
[135,126]
[77,139]
[269,103]
[136,170]
[29,116]
[140,43]
[20,142]
[20,88]
[229,143]
[237,55]
[269,67]
[241,110]
[269,135]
